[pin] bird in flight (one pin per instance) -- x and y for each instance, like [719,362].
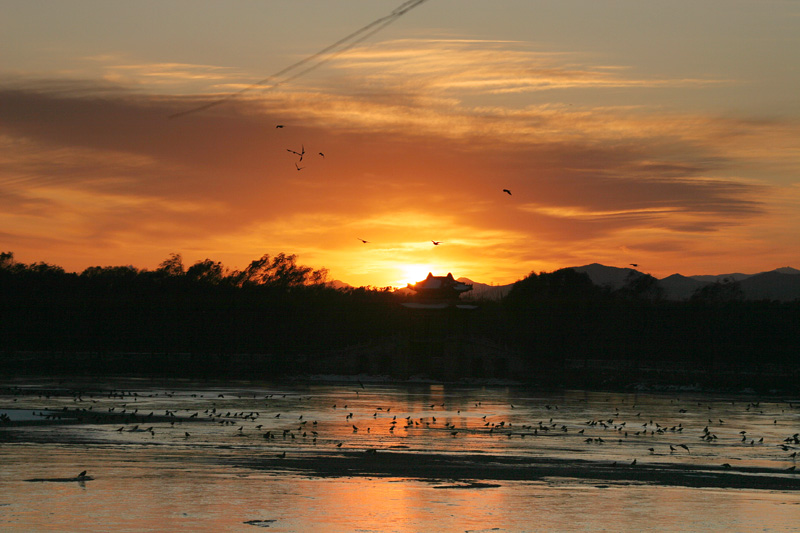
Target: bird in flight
[323,155]
[436,243]
[298,167]
[507,191]
[362,240]
[634,265]
[301,153]
[279,126]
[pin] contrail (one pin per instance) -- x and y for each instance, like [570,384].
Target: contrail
[315,60]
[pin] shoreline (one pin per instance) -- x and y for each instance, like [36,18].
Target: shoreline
[477,470]
[744,384]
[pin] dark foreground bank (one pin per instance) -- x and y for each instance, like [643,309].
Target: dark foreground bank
[393,362]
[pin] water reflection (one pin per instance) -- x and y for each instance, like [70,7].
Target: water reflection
[552,461]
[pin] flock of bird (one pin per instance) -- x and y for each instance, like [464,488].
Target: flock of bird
[301,154]
[360,419]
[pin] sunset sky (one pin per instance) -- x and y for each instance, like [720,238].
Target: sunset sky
[665,134]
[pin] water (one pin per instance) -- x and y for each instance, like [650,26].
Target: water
[391,457]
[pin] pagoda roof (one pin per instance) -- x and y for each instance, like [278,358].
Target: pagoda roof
[438,283]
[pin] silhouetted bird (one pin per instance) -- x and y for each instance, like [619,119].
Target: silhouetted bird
[507,191]
[634,265]
[279,126]
[298,167]
[362,240]
[82,474]
[436,243]
[323,155]
[301,153]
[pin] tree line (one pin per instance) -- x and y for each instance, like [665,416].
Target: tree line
[277,306]
[273,305]
[716,327]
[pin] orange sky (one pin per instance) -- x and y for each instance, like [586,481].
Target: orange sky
[677,169]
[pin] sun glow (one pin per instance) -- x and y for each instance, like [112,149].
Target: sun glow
[414,273]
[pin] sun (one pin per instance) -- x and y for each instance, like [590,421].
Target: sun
[414,272]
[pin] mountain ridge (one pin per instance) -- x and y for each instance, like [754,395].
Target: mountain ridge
[782,284]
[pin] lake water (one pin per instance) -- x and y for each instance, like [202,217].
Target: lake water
[375,456]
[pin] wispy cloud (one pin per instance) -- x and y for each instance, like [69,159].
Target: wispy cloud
[173,73]
[490,67]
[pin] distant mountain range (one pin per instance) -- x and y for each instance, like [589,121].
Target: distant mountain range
[482,291]
[782,284]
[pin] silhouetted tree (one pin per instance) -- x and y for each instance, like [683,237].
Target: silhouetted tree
[207,272]
[564,284]
[172,266]
[553,315]
[6,260]
[122,274]
[282,271]
[45,269]
[724,290]
[640,286]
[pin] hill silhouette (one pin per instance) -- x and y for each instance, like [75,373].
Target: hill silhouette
[781,284]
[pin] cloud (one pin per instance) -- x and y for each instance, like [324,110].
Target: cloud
[91,165]
[488,67]
[163,75]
